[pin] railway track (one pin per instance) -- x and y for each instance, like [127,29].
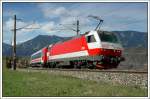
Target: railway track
[93,70]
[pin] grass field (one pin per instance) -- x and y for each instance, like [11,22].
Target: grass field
[17,83]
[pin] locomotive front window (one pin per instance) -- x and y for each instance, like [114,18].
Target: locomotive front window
[90,39]
[108,37]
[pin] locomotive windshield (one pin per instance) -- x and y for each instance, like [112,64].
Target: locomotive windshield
[108,37]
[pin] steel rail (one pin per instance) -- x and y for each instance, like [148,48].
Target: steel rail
[94,70]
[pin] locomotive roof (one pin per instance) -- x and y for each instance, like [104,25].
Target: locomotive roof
[69,38]
[73,37]
[36,52]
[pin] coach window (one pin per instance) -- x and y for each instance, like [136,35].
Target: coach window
[90,39]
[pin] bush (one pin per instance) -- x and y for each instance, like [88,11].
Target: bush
[8,62]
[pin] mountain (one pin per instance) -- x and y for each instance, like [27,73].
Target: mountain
[128,39]
[6,49]
[133,38]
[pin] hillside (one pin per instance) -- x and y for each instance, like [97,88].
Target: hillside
[135,58]
[133,38]
[7,49]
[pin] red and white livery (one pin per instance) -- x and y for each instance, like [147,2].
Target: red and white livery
[94,49]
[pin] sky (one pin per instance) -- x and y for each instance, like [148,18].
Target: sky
[60,18]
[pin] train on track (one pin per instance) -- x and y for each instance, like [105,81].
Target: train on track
[94,49]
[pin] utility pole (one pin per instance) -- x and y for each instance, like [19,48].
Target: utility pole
[14,40]
[78,27]
[14,45]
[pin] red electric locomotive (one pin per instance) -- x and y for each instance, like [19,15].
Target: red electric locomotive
[94,49]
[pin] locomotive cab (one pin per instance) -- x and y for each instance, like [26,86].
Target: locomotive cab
[106,45]
[109,40]
[103,39]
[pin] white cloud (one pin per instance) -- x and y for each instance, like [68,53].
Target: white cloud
[60,11]
[23,34]
[53,12]
[65,15]
[117,16]
[27,27]
[48,27]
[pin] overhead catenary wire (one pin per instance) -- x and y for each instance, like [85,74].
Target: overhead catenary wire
[70,28]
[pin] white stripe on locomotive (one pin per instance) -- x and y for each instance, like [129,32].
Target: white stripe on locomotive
[70,55]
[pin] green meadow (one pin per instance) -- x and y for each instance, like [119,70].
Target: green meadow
[23,83]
